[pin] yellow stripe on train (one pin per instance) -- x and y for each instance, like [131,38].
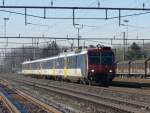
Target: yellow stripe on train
[54,73]
[65,72]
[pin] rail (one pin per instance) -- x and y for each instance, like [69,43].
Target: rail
[8,104]
[18,102]
[48,108]
[119,105]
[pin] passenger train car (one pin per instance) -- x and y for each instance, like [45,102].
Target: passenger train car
[92,64]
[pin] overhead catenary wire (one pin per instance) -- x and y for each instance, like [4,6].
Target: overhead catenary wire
[129,15]
[41,17]
[135,14]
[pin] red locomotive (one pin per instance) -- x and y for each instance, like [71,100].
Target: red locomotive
[101,66]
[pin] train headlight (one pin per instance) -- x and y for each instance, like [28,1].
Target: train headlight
[92,70]
[110,70]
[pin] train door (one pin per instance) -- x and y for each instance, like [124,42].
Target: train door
[81,66]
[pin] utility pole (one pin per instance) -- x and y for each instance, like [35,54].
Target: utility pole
[37,47]
[78,37]
[77,26]
[126,43]
[5,20]
[3,2]
[124,50]
[143,5]
[98,4]
[23,52]
[52,3]
[33,45]
[126,21]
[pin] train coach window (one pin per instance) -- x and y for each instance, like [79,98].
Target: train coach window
[61,62]
[68,60]
[49,64]
[33,65]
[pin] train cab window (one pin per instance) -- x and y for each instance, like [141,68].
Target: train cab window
[94,57]
[106,58]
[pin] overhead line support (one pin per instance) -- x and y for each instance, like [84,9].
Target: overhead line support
[3,2]
[25,16]
[106,14]
[44,13]
[119,17]
[73,8]
[73,38]
[90,8]
[73,15]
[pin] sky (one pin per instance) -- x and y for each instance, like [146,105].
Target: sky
[138,26]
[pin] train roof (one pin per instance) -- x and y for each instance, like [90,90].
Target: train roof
[101,49]
[73,53]
[138,61]
[124,62]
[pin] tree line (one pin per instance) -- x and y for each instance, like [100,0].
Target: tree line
[14,58]
[133,52]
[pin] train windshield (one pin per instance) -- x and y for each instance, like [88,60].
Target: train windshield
[103,58]
[106,58]
[94,58]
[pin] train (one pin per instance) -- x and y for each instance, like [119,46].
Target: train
[82,65]
[135,68]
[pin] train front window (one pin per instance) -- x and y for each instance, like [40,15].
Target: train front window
[94,58]
[106,58]
[103,58]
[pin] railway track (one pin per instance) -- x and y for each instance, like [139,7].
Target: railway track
[6,106]
[111,104]
[131,82]
[15,101]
